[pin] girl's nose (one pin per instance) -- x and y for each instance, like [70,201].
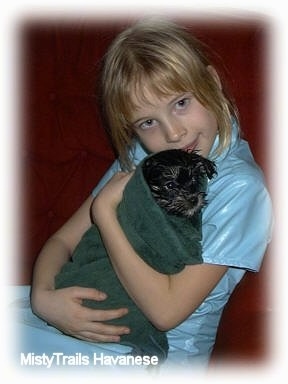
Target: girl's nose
[174,132]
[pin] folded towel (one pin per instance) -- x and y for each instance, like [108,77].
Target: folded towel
[166,242]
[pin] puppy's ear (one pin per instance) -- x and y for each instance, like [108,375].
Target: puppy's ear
[208,167]
[150,162]
[151,169]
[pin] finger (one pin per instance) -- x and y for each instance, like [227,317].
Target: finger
[87,293]
[98,332]
[97,338]
[106,329]
[104,315]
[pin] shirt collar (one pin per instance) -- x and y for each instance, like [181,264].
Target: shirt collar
[233,143]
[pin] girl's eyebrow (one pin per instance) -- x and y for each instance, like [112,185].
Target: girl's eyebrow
[170,102]
[141,119]
[180,96]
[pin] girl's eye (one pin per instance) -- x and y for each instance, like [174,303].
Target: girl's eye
[147,124]
[183,103]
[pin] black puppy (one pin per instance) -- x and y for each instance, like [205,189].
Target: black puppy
[176,178]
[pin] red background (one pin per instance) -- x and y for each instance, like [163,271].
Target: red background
[66,151]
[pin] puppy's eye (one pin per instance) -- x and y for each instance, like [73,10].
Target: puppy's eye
[170,185]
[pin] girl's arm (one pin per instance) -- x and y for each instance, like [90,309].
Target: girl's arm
[166,300]
[63,307]
[59,247]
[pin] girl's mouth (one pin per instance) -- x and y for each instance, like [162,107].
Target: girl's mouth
[191,147]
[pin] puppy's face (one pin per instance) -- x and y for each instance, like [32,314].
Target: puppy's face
[176,179]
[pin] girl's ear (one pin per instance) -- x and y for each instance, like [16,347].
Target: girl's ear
[215,75]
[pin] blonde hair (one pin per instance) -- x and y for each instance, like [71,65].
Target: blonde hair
[167,59]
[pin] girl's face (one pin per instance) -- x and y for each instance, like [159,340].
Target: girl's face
[174,122]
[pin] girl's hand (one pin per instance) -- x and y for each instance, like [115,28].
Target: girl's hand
[63,309]
[110,196]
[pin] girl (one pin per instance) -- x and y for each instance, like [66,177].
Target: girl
[160,92]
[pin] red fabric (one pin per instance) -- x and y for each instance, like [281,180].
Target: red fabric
[66,151]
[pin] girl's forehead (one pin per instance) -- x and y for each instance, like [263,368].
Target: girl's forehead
[146,97]
[146,89]
[149,100]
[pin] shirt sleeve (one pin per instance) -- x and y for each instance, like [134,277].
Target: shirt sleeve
[114,168]
[237,222]
[136,154]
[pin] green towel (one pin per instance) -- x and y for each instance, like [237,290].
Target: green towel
[164,241]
